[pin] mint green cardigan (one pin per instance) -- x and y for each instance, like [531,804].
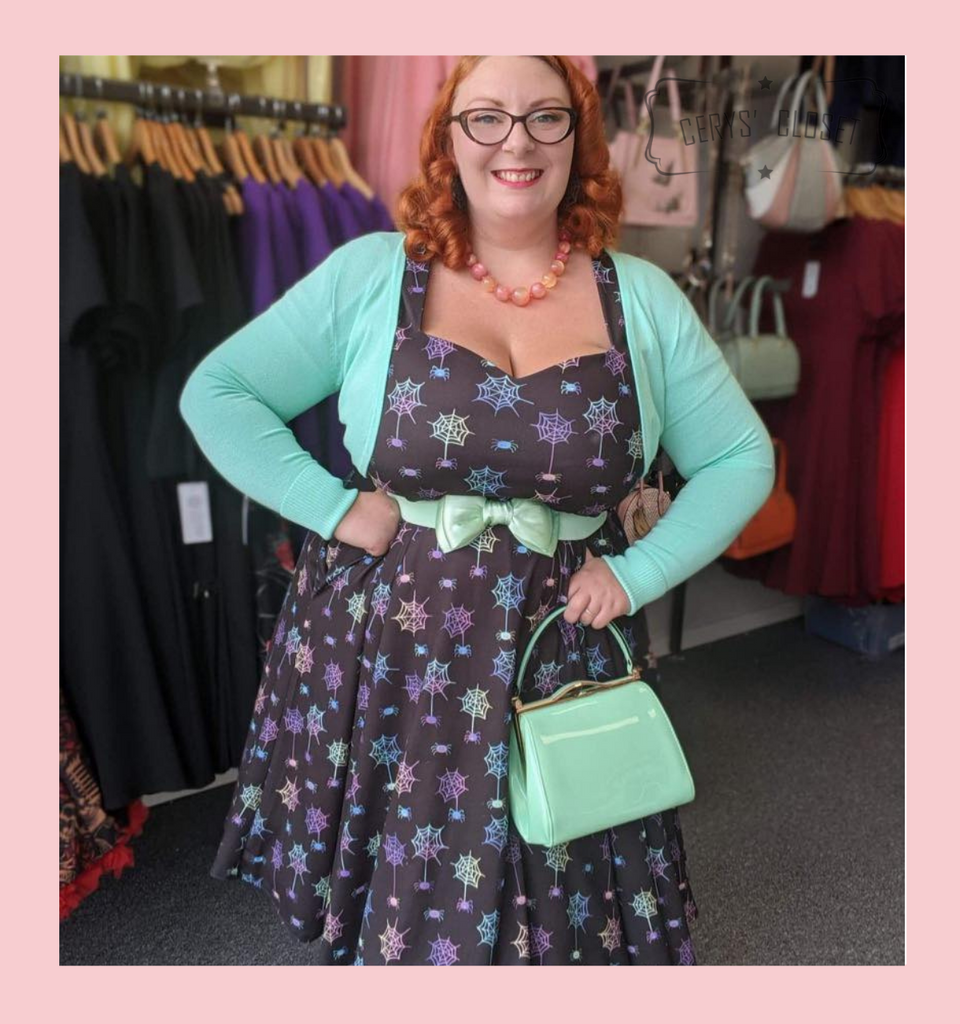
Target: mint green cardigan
[334,331]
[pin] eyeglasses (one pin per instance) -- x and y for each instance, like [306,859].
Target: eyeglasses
[490,126]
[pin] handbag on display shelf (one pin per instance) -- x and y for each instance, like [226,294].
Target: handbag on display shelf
[660,191]
[592,755]
[775,524]
[766,365]
[804,189]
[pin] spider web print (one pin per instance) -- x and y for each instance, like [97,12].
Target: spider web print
[553,429]
[450,429]
[373,807]
[501,393]
[602,419]
[402,401]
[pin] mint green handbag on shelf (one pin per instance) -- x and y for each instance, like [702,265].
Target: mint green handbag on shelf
[766,365]
[592,755]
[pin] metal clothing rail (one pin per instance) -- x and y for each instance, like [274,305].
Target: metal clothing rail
[213,105]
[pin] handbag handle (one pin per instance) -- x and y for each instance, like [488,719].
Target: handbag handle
[547,619]
[780,454]
[799,95]
[673,97]
[712,299]
[775,114]
[733,309]
[756,298]
[673,92]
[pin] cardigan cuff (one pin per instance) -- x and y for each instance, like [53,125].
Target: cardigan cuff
[641,578]
[318,500]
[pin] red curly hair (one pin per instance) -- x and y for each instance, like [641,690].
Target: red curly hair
[435,226]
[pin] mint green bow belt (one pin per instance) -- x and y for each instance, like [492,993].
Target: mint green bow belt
[459,518]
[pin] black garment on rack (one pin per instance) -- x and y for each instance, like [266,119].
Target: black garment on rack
[109,671]
[216,577]
[128,385]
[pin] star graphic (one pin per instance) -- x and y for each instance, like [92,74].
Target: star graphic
[765,172]
[764,82]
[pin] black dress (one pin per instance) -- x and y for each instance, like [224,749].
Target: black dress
[372,804]
[109,669]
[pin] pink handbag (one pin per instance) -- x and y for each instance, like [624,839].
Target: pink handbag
[657,173]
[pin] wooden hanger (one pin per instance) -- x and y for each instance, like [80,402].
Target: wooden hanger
[233,158]
[66,157]
[301,153]
[103,132]
[103,135]
[141,147]
[158,137]
[286,159]
[89,149]
[307,158]
[230,150]
[239,136]
[349,171]
[293,174]
[81,139]
[205,160]
[164,149]
[203,138]
[188,163]
[166,122]
[249,157]
[71,135]
[263,147]
[68,128]
[326,160]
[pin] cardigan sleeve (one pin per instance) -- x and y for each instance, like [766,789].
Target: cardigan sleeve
[239,398]
[717,441]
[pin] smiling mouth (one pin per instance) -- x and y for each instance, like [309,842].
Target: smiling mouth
[517,177]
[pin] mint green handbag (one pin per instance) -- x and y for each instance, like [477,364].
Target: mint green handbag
[766,365]
[592,755]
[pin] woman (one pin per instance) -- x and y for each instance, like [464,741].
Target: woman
[373,797]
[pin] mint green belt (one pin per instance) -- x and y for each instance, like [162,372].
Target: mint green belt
[459,518]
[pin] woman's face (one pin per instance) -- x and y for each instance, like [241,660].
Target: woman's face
[518,85]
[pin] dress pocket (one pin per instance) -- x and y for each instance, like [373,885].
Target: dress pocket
[335,560]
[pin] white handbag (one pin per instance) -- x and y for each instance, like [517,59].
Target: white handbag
[804,189]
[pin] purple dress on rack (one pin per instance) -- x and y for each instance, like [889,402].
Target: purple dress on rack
[283,239]
[256,248]
[315,243]
[360,204]
[342,210]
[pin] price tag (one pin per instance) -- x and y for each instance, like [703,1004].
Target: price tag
[811,279]
[195,523]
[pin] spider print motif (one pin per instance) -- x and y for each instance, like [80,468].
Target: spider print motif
[373,807]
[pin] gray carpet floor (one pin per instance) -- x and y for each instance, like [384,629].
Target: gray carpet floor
[795,841]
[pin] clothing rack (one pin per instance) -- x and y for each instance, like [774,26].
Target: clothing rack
[214,106]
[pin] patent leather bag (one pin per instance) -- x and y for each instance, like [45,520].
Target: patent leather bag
[766,365]
[592,755]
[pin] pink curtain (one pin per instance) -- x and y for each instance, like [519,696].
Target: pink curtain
[388,100]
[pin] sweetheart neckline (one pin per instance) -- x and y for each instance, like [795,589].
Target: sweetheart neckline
[506,373]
